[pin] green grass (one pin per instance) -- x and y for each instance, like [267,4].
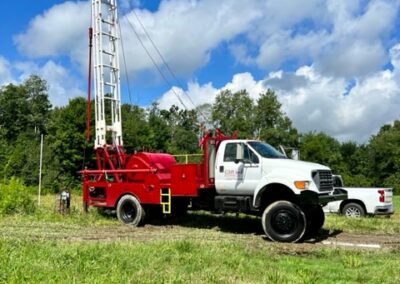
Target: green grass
[375,225]
[188,262]
[46,246]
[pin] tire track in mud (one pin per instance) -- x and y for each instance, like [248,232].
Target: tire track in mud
[171,233]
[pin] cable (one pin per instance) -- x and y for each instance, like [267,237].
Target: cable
[125,66]
[154,63]
[166,64]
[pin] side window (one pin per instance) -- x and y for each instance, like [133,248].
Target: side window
[230,152]
[249,156]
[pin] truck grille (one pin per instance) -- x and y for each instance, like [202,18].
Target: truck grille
[323,180]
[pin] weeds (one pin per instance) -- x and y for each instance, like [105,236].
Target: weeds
[15,198]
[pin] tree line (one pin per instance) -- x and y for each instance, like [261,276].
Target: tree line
[26,113]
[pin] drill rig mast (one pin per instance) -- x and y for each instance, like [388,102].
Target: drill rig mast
[106,74]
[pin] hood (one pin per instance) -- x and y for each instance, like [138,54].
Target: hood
[296,165]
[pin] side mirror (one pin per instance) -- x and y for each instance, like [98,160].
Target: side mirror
[239,152]
[295,155]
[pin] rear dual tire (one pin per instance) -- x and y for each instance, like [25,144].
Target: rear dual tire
[130,211]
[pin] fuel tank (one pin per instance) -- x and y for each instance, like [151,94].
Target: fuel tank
[160,162]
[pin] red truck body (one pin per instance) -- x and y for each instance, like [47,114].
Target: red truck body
[144,175]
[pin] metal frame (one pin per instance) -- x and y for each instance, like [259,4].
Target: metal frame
[106,73]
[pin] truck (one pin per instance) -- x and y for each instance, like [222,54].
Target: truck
[362,201]
[234,175]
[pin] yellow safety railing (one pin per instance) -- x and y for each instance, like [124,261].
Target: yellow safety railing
[186,156]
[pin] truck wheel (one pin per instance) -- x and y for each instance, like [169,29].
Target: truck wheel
[315,219]
[284,221]
[353,210]
[129,211]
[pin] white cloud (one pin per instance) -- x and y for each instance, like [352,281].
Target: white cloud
[5,73]
[321,102]
[195,94]
[61,30]
[316,102]
[341,38]
[184,31]
[61,85]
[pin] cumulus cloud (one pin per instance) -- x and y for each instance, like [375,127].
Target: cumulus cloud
[61,30]
[341,38]
[61,85]
[316,102]
[5,73]
[324,104]
[185,32]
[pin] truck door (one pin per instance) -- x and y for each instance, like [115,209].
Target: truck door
[237,177]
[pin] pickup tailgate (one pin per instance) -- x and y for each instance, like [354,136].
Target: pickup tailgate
[388,195]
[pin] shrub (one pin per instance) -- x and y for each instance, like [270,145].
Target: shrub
[15,198]
[393,181]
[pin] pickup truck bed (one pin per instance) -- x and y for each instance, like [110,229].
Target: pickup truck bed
[362,202]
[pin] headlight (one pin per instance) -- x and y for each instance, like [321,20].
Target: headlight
[302,184]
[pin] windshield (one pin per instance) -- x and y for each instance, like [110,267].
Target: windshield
[266,150]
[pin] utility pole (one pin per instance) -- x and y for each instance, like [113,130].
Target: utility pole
[40,168]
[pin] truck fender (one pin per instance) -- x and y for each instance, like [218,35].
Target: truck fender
[263,184]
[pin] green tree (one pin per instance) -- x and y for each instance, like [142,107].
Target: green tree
[271,124]
[384,156]
[14,111]
[24,107]
[323,149]
[23,159]
[38,101]
[24,111]
[135,128]
[184,128]
[159,133]
[234,111]
[67,139]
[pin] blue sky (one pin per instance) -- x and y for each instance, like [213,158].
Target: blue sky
[334,64]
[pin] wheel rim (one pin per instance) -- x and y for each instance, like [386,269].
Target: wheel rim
[128,212]
[353,212]
[284,222]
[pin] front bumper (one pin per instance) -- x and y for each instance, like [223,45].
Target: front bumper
[314,198]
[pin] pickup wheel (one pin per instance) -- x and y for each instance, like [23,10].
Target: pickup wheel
[129,211]
[353,210]
[283,221]
[315,219]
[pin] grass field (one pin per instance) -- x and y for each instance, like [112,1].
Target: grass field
[200,248]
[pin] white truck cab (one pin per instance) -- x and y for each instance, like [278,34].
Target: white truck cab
[285,191]
[244,167]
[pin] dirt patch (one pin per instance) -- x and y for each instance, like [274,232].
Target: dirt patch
[151,233]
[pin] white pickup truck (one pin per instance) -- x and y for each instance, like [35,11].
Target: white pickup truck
[361,201]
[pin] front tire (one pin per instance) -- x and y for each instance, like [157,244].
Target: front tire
[284,221]
[353,210]
[130,212]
